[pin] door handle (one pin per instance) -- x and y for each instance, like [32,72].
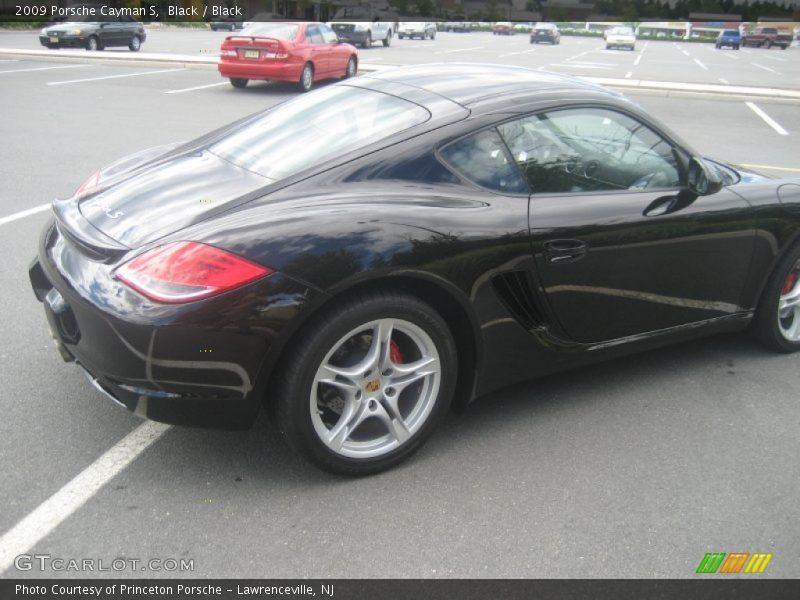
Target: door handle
[565,250]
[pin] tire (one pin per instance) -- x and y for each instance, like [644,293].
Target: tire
[736,47]
[351,68]
[136,44]
[306,81]
[608,47]
[783,46]
[232,28]
[433,35]
[781,335]
[93,44]
[367,41]
[308,409]
[239,83]
[387,41]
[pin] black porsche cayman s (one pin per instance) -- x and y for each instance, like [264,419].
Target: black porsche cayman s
[366,256]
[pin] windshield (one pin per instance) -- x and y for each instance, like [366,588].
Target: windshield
[314,128]
[621,31]
[281,31]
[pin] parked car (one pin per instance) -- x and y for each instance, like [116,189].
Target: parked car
[545,32]
[457,26]
[767,37]
[418,29]
[503,28]
[730,38]
[226,25]
[373,253]
[297,52]
[92,34]
[620,37]
[364,33]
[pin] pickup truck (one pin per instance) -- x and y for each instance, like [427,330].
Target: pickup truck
[766,37]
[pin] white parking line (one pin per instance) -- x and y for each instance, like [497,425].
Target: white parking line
[731,56]
[765,68]
[628,74]
[769,56]
[24,213]
[595,64]
[44,69]
[579,66]
[115,76]
[767,119]
[460,50]
[53,511]
[9,60]
[515,53]
[571,58]
[638,59]
[701,65]
[725,81]
[197,87]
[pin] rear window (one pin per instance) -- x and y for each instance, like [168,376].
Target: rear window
[281,31]
[317,127]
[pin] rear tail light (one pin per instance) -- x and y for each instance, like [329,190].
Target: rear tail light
[232,53]
[186,271]
[88,185]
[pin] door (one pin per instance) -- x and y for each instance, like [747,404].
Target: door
[620,246]
[338,54]
[319,52]
[111,32]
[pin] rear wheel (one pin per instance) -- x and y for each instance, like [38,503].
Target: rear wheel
[366,383]
[306,78]
[387,41]
[777,320]
[367,41]
[239,83]
[136,44]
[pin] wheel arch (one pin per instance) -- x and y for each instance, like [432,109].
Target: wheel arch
[451,304]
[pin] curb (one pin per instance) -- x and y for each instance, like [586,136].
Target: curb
[209,61]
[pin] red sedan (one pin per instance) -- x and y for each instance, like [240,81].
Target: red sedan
[297,52]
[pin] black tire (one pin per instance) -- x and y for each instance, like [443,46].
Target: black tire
[239,83]
[294,384]
[765,322]
[93,44]
[306,81]
[351,68]
[135,44]
[367,41]
[387,41]
[736,47]
[232,27]
[433,35]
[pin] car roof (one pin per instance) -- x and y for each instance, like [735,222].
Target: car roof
[469,83]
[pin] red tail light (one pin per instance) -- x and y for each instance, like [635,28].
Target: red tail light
[185,271]
[87,185]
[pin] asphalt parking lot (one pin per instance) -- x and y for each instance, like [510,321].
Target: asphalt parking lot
[633,468]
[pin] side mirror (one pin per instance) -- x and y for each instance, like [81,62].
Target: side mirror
[703,180]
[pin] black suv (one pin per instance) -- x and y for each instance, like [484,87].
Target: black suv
[95,35]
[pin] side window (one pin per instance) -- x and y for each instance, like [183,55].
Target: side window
[590,149]
[328,36]
[483,159]
[313,35]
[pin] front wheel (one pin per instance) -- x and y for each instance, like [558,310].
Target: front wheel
[777,320]
[93,44]
[239,83]
[135,44]
[387,41]
[367,41]
[351,69]
[306,78]
[366,383]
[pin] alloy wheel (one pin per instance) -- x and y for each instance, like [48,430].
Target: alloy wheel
[789,306]
[375,388]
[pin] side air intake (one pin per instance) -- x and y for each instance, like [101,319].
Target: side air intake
[516,292]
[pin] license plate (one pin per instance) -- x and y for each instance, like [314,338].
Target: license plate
[251,53]
[53,40]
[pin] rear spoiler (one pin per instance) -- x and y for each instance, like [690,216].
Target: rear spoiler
[73,225]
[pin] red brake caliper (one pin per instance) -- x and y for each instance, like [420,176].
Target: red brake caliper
[788,285]
[395,354]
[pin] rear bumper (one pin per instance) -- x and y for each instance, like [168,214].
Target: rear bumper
[272,71]
[203,364]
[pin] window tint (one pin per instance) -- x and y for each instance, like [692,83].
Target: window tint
[328,35]
[313,35]
[589,149]
[483,159]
